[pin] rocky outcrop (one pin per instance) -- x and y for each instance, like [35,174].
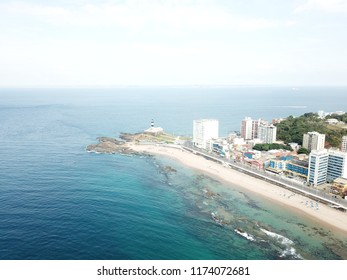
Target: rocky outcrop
[109,145]
[169,169]
[128,137]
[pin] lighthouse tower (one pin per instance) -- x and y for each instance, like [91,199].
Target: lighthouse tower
[154,130]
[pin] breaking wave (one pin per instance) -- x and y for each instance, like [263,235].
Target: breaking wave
[289,250]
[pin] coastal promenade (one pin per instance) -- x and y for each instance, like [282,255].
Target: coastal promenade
[312,193]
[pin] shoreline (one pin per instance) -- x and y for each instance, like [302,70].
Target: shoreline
[298,203]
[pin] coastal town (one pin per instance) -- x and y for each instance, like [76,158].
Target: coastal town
[309,165]
[313,183]
[256,146]
[310,177]
[295,164]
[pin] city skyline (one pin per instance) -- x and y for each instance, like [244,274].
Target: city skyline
[89,43]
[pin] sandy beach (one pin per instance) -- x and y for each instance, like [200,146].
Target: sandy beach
[298,203]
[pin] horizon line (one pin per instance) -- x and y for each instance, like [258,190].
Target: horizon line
[294,87]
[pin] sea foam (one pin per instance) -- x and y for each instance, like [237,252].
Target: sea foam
[289,250]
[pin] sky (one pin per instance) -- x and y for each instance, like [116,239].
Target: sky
[89,43]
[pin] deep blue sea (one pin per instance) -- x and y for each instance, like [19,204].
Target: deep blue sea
[59,202]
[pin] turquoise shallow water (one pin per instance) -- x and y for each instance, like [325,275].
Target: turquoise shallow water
[59,202]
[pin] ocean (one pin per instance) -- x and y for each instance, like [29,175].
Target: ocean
[59,202]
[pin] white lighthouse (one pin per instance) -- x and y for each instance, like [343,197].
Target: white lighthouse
[154,130]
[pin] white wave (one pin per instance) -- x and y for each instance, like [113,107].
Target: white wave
[282,239]
[245,234]
[291,251]
[218,220]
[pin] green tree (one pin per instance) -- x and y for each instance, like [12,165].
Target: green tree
[292,129]
[273,146]
[303,151]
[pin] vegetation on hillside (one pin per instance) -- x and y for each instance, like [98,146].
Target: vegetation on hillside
[274,146]
[292,129]
[147,137]
[303,151]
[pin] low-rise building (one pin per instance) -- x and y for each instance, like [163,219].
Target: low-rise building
[258,164]
[339,185]
[220,146]
[339,113]
[253,142]
[279,164]
[332,121]
[294,146]
[252,154]
[297,167]
[275,121]
[239,141]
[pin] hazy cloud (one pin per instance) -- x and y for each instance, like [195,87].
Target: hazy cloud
[171,42]
[334,6]
[195,15]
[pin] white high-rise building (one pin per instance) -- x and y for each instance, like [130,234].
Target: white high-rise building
[337,165]
[267,133]
[246,128]
[344,144]
[318,167]
[203,131]
[313,141]
[249,128]
[326,166]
